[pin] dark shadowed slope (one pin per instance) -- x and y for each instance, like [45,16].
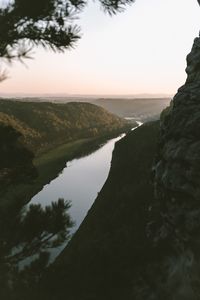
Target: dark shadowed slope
[103,258]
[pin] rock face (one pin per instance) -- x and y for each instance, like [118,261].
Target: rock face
[177,180]
[178,164]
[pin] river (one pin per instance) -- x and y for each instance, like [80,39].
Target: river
[80,181]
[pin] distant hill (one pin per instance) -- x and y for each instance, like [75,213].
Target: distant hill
[82,96]
[44,125]
[145,109]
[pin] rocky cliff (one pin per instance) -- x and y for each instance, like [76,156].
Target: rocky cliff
[178,164]
[177,183]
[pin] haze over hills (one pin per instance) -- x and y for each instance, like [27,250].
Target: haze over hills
[144,107]
[60,96]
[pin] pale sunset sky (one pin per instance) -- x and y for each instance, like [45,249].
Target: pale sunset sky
[141,50]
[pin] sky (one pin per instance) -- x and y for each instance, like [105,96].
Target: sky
[142,50]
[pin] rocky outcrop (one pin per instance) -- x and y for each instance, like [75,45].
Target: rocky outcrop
[177,183]
[178,164]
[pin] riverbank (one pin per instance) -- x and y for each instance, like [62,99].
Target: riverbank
[105,255]
[80,182]
[49,165]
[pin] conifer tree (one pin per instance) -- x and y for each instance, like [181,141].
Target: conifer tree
[25,24]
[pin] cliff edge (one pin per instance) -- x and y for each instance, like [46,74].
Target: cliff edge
[140,240]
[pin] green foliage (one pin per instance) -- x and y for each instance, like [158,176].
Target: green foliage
[41,228]
[46,125]
[25,24]
[29,235]
[48,23]
[15,159]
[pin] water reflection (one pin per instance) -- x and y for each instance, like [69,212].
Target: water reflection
[38,234]
[24,235]
[80,182]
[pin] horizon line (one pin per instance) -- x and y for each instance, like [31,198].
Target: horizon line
[62,95]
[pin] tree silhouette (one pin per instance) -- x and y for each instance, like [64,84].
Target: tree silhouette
[29,235]
[16,161]
[48,23]
[25,24]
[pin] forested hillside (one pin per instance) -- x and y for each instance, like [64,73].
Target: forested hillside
[144,109]
[45,125]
